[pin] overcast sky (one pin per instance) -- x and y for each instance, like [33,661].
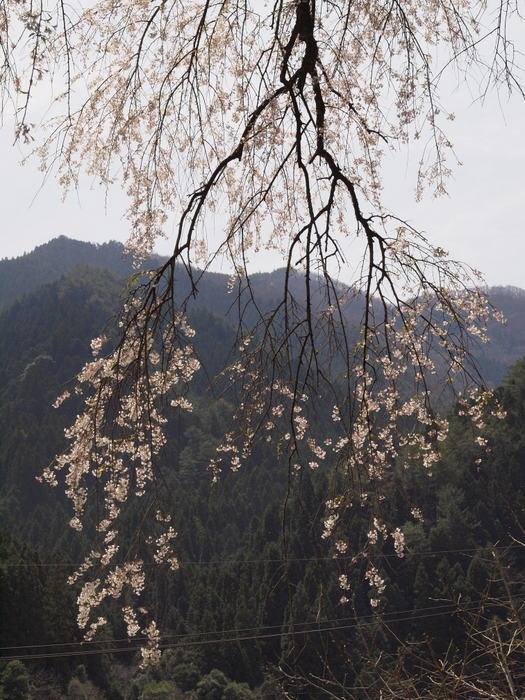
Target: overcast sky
[481,222]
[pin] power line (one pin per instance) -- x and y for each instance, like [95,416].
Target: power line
[189,642]
[244,634]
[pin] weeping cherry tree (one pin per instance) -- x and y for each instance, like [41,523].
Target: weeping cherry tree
[237,129]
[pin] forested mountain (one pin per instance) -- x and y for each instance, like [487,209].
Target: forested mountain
[48,262]
[256,608]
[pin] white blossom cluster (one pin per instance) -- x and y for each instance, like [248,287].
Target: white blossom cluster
[113,446]
[411,356]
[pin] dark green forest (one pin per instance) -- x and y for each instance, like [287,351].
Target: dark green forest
[256,609]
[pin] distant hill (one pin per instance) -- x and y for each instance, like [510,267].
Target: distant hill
[507,341]
[57,320]
[48,262]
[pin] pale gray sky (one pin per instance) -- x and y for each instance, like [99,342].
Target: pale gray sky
[481,222]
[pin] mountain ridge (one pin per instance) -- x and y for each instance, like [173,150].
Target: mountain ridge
[47,263]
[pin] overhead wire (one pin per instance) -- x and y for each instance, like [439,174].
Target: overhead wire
[192,639]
